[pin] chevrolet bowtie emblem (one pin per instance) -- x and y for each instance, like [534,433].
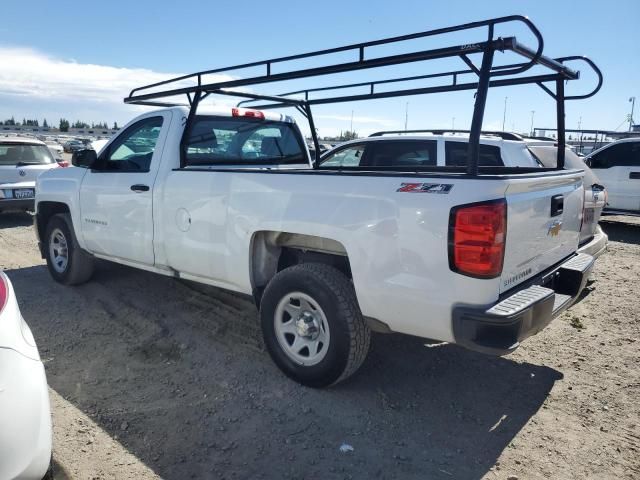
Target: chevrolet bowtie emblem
[554,228]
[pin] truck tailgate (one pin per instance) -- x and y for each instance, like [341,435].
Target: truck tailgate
[544,214]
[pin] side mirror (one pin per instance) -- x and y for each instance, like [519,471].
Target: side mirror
[587,162]
[84,158]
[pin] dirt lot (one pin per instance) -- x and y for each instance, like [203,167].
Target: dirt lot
[152,377]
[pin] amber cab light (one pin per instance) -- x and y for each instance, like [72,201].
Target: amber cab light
[477,235]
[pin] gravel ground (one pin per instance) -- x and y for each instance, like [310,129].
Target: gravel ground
[152,377]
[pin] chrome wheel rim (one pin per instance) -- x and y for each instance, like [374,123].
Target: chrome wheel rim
[58,251]
[302,329]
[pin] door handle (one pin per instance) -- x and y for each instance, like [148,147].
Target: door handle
[140,188]
[557,205]
[634,175]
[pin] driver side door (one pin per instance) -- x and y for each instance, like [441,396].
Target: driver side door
[116,196]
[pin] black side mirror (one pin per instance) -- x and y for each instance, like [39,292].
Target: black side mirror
[588,162]
[84,158]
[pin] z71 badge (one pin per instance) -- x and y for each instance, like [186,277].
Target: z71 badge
[425,187]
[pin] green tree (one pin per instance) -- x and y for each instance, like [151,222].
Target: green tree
[45,124]
[64,125]
[347,135]
[115,125]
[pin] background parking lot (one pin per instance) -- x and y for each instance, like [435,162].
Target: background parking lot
[151,376]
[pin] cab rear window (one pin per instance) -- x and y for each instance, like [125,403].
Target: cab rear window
[236,141]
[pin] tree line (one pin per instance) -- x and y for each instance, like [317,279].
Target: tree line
[63,124]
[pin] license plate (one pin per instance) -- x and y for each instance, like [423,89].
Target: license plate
[24,193]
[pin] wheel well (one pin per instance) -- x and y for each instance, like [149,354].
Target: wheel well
[46,210]
[272,252]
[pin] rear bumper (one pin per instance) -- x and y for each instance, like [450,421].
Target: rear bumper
[598,244]
[13,204]
[498,329]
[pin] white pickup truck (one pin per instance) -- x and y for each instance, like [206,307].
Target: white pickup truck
[230,197]
[325,253]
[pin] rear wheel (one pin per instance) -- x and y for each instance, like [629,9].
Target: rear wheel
[66,261]
[312,325]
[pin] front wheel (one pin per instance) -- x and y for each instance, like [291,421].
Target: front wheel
[312,325]
[66,261]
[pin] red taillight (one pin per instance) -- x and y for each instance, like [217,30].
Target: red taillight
[63,163]
[243,112]
[477,235]
[4,292]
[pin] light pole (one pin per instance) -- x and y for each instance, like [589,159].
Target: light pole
[633,104]
[453,123]
[504,114]
[533,112]
[351,127]
[406,115]
[580,148]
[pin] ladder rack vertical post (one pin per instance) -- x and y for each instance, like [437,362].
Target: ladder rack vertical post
[478,111]
[560,120]
[314,135]
[187,128]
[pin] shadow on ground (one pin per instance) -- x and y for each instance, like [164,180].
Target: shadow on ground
[15,219]
[622,229]
[180,378]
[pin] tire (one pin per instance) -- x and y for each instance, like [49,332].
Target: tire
[328,323]
[78,267]
[49,474]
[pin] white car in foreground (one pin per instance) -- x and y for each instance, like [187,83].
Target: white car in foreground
[25,418]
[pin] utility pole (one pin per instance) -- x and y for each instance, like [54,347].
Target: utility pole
[406,115]
[580,148]
[351,127]
[504,114]
[533,112]
[633,104]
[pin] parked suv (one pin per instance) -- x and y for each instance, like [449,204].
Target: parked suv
[448,148]
[21,161]
[430,148]
[618,166]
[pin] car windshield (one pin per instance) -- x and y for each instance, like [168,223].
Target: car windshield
[224,140]
[24,154]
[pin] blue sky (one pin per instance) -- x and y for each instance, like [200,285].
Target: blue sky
[78,59]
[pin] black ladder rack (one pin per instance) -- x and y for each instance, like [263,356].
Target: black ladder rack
[195,89]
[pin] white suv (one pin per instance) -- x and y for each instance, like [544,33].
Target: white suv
[618,167]
[448,148]
[434,148]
